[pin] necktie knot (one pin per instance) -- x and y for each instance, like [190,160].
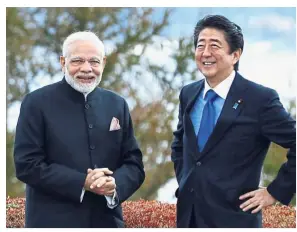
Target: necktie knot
[210,95]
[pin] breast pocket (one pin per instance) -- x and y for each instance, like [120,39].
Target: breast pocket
[115,136]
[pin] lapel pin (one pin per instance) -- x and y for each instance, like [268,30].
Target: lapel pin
[236,104]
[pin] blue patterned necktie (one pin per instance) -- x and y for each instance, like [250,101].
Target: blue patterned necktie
[208,119]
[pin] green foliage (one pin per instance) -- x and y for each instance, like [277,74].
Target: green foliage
[13,186]
[276,155]
[34,38]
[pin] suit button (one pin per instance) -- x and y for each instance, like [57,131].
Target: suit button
[92,147]
[90,126]
[87,106]
[198,163]
[191,190]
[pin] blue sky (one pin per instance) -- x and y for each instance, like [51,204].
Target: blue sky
[257,23]
[269,55]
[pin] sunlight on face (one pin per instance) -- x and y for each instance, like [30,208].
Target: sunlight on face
[80,86]
[84,66]
[212,54]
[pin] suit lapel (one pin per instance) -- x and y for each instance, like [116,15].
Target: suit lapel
[189,128]
[229,112]
[198,88]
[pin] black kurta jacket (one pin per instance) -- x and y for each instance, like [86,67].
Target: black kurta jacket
[60,135]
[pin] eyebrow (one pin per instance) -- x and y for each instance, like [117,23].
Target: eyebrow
[212,40]
[78,57]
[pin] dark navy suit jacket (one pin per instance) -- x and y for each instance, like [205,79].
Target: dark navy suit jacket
[59,136]
[231,161]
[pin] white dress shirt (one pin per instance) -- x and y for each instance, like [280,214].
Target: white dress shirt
[222,88]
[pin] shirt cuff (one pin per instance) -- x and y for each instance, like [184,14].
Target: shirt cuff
[112,201]
[82,195]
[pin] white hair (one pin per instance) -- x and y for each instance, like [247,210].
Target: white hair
[82,36]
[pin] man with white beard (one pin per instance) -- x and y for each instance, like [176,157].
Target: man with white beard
[75,147]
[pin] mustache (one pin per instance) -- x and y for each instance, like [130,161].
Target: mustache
[83,75]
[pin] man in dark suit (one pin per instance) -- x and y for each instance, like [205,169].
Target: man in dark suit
[226,124]
[75,147]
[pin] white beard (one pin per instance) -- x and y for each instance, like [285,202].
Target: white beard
[84,88]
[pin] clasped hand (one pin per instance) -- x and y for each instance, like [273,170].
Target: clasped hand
[98,181]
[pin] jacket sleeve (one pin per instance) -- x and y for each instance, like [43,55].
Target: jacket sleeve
[177,144]
[280,128]
[130,175]
[31,162]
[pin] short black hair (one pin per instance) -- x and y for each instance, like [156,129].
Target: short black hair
[233,32]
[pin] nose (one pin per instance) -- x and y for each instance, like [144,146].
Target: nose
[206,51]
[86,67]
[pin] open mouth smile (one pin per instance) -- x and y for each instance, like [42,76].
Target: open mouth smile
[208,63]
[86,79]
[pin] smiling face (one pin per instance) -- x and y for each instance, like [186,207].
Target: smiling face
[84,65]
[213,56]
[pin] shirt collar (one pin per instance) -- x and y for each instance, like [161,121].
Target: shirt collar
[86,94]
[222,88]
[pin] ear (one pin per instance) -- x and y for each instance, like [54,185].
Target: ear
[236,55]
[62,62]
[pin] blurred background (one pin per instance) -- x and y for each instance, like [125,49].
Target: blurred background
[150,57]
